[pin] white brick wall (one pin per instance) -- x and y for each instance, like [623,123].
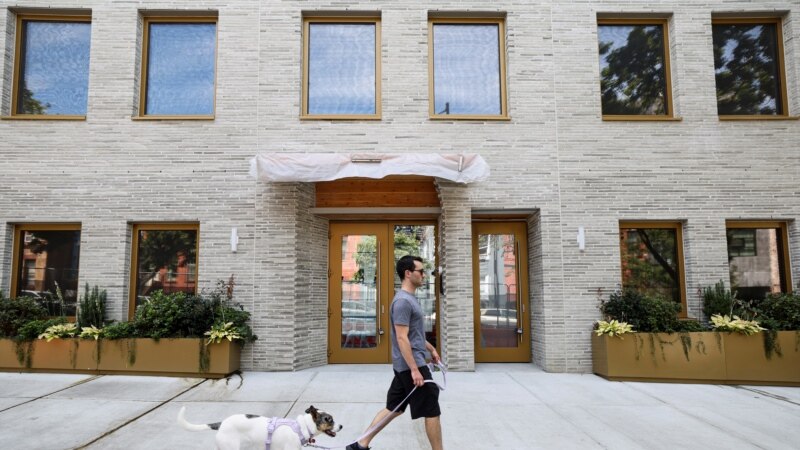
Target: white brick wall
[554,156]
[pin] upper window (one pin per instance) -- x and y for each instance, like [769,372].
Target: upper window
[164,258]
[757,258]
[341,68]
[179,67]
[45,265]
[51,73]
[652,259]
[467,69]
[634,68]
[748,62]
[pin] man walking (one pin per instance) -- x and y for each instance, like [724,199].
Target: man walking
[408,359]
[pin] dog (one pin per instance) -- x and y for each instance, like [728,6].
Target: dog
[241,431]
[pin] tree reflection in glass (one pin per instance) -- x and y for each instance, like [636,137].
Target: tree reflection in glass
[54,68]
[48,263]
[633,78]
[650,262]
[747,69]
[165,261]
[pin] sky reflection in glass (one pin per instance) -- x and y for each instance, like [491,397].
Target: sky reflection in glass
[55,68]
[180,69]
[341,68]
[466,64]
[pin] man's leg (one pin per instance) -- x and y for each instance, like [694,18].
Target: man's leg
[364,442]
[433,428]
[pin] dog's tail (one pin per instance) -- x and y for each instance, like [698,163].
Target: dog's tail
[194,427]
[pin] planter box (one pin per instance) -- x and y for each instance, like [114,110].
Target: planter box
[704,357]
[171,357]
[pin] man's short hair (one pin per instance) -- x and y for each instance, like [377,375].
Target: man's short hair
[406,263]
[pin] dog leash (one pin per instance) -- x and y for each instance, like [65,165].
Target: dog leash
[432,367]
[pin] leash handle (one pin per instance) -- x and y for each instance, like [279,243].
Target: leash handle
[431,366]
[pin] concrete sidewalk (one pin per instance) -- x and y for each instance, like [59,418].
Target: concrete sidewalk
[497,406]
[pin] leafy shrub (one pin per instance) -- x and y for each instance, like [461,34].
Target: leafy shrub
[120,330]
[174,315]
[35,328]
[612,328]
[92,311]
[15,313]
[737,325]
[718,300]
[690,325]
[60,331]
[643,313]
[780,312]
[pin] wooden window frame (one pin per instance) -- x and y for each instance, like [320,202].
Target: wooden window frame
[784,101]
[17,75]
[145,60]
[664,225]
[770,224]
[343,20]
[501,31]
[670,114]
[16,248]
[134,267]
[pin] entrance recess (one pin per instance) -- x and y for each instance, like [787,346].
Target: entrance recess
[362,284]
[500,292]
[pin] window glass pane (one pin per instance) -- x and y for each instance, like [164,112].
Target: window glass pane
[165,261]
[466,69]
[48,262]
[341,68]
[498,290]
[633,79]
[180,68]
[747,69]
[755,258]
[359,291]
[419,240]
[54,71]
[650,262]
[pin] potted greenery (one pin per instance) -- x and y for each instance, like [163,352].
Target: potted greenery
[644,340]
[170,334]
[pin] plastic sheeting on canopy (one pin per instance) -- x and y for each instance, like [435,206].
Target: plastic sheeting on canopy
[312,167]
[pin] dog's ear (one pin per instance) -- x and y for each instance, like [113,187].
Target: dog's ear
[313,411]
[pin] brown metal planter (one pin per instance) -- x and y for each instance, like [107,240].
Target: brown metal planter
[170,357]
[702,357]
[659,357]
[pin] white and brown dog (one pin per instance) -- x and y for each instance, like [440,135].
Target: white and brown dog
[242,431]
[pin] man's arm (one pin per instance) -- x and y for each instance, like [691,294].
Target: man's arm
[401,332]
[432,350]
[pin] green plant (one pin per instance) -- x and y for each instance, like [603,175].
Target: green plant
[59,331]
[780,312]
[15,313]
[92,307]
[644,313]
[689,325]
[120,330]
[220,331]
[612,328]
[91,332]
[737,325]
[718,300]
[34,328]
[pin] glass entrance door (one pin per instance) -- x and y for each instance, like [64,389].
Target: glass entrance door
[500,292]
[363,282]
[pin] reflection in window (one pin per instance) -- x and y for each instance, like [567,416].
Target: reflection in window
[650,261]
[633,69]
[48,262]
[747,65]
[180,68]
[467,72]
[756,261]
[359,291]
[165,260]
[53,72]
[498,290]
[419,240]
[341,65]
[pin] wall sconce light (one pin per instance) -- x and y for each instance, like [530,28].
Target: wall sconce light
[234,240]
[581,239]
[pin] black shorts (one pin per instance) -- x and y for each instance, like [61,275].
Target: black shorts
[425,400]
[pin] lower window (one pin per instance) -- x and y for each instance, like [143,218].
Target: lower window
[757,259]
[46,258]
[164,258]
[652,259]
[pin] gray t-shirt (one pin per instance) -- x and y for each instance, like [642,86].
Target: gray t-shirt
[406,310]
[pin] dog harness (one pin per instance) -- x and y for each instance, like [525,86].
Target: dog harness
[276,422]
